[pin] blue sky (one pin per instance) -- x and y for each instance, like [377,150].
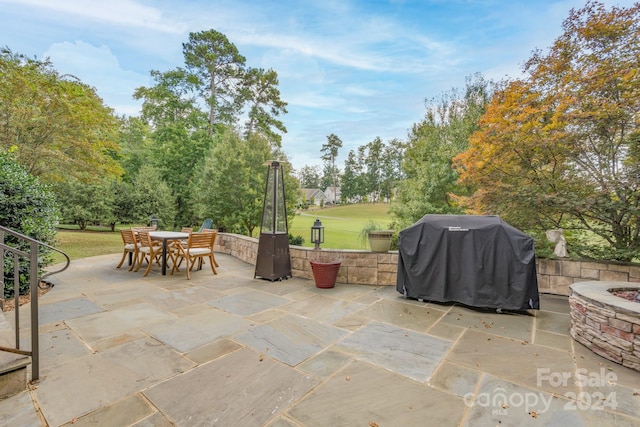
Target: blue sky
[360,69]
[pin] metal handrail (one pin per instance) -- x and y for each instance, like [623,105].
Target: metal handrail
[32,255]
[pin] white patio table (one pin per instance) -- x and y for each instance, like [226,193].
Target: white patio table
[166,236]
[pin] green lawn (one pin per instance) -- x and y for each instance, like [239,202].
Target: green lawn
[82,244]
[342,225]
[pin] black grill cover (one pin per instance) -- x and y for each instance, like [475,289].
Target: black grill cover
[479,261]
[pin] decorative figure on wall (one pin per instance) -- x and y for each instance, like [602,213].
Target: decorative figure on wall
[557,237]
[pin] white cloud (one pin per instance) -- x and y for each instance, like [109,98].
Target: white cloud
[360,90]
[313,100]
[358,48]
[127,13]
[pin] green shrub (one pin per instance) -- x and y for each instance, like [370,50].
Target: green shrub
[27,207]
[296,241]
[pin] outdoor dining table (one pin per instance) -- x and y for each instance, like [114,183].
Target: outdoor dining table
[166,236]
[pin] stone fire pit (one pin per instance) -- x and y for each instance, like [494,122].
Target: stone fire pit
[607,324]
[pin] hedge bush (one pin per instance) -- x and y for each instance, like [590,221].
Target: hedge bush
[28,207]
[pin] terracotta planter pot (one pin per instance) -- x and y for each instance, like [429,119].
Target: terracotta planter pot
[325,273]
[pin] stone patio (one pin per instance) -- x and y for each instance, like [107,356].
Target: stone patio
[120,349]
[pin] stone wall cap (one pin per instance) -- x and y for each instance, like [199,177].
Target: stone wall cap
[599,291]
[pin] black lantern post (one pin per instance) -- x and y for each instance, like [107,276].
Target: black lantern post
[274,261]
[317,233]
[154,222]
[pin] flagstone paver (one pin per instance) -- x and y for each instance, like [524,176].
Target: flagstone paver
[550,339]
[323,309]
[60,346]
[455,379]
[18,410]
[122,294]
[91,382]
[190,332]
[123,413]
[66,310]
[290,339]
[590,363]
[406,352]
[115,322]
[558,323]
[325,364]
[403,314]
[508,324]
[249,302]
[363,394]
[240,389]
[513,360]
[118,348]
[500,402]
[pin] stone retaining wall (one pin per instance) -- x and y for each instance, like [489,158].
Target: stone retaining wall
[358,267]
[369,268]
[606,324]
[556,275]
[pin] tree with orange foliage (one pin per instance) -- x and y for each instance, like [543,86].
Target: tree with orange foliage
[560,148]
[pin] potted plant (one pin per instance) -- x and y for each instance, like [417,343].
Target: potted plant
[325,274]
[378,237]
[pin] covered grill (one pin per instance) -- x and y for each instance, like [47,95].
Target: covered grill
[479,261]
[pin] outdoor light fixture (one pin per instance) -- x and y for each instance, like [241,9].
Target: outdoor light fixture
[317,233]
[154,221]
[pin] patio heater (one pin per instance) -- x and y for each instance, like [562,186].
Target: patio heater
[274,261]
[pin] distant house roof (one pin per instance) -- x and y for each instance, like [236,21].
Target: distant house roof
[313,193]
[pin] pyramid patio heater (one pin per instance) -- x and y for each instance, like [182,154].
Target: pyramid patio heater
[274,261]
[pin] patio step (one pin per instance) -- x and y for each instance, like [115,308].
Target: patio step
[13,367]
